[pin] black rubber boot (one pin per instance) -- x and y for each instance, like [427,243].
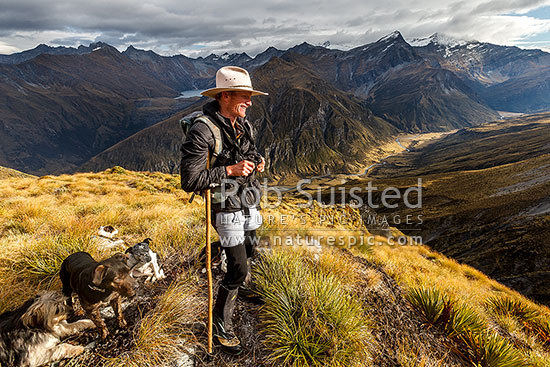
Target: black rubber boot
[223,324]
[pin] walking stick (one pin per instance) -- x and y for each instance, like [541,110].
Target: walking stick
[208,262]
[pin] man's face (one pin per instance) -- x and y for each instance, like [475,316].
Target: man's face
[237,103]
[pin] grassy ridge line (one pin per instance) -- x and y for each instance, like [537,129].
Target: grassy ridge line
[8,172]
[42,220]
[49,215]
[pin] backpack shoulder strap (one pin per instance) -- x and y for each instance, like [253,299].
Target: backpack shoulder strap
[188,121]
[215,131]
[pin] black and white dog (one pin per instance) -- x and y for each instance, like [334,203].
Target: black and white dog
[31,335]
[143,262]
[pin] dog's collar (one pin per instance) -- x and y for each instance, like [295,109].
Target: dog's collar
[93,287]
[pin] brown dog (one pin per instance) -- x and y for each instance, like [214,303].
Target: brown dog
[97,283]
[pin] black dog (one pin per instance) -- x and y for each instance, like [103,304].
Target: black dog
[97,283]
[31,335]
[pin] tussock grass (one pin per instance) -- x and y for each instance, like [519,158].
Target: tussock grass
[531,319]
[512,307]
[463,320]
[455,318]
[41,260]
[430,302]
[309,319]
[166,332]
[488,349]
[482,346]
[45,219]
[418,267]
[414,266]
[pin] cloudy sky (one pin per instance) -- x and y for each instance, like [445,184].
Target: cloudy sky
[201,27]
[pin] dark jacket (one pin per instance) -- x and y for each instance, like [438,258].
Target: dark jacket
[200,140]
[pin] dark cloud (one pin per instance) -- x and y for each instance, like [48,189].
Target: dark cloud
[202,27]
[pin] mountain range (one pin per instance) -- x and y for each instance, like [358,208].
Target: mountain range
[63,108]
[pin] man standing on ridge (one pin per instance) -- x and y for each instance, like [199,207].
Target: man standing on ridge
[235,190]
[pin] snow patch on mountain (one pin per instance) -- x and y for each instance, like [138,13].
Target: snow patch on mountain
[390,36]
[438,39]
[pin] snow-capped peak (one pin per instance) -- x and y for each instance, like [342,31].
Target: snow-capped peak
[393,35]
[437,39]
[420,42]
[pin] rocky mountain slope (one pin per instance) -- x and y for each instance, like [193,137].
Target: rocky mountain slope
[305,126]
[59,110]
[181,72]
[398,84]
[422,98]
[88,99]
[43,49]
[508,78]
[485,62]
[156,148]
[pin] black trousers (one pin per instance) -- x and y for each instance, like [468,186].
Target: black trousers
[237,266]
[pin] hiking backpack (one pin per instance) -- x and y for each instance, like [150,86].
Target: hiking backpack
[187,121]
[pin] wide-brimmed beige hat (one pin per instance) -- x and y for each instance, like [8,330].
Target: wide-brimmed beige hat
[232,78]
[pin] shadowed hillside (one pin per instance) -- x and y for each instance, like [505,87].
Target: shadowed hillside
[156,148]
[428,99]
[484,199]
[305,126]
[60,110]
